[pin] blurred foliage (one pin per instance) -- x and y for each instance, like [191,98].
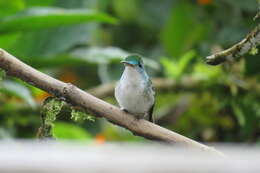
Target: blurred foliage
[35,18]
[182,65]
[82,42]
[67,131]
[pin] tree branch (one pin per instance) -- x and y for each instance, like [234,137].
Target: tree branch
[99,108]
[187,83]
[160,84]
[250,41]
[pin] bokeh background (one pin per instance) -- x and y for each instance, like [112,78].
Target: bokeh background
[82,42]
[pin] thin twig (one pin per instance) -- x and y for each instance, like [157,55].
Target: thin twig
[159,84]
[97,107]
[186,83]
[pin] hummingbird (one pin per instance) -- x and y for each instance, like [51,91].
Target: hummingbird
[134,92]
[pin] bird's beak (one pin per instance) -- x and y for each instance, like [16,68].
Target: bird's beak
[126,63]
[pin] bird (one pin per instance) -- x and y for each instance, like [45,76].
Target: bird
[134,91]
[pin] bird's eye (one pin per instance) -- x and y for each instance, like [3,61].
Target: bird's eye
[140,65]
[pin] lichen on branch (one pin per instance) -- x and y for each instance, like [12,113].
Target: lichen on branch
[50,109]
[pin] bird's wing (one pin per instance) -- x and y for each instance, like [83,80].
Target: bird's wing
[150,85]
[150,114]
[150,111]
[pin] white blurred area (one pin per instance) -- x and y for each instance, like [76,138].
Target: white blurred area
[54,157]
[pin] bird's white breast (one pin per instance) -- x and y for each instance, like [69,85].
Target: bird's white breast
[132,93]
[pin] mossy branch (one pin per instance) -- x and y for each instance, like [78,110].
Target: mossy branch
[251,41]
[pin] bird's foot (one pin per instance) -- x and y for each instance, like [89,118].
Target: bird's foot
[125,110]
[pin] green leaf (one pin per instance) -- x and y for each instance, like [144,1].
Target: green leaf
[51,108]
[79,56]
[80,116]
[62,130]
[43,17]
[175,68]
[18,90]
[184,61]
[50,42]
[54,61]
[170,67]
[183,30]
[253,51]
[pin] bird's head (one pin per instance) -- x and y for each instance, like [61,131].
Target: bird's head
[134,61]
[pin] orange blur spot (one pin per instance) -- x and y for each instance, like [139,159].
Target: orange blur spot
[204,2]
[69,77]
[100,139]
[41,96]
